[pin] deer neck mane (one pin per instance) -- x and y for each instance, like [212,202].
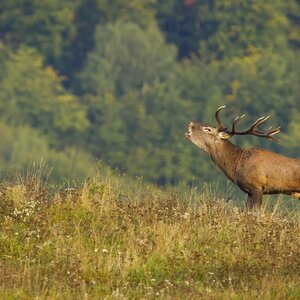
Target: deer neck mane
[226,156]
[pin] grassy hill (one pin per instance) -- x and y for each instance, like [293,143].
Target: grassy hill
[118,239]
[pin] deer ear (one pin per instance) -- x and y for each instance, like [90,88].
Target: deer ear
[206,129]
[224,135]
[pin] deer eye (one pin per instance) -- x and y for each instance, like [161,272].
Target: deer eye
[207,129]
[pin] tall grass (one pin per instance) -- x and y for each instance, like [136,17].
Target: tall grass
[114,238]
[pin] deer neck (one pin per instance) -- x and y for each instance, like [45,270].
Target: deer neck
[226,156]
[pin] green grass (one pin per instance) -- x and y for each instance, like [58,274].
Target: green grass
[114,238]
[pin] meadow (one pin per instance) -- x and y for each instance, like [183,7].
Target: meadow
[113,238]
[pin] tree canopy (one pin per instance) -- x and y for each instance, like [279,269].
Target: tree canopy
[119,81]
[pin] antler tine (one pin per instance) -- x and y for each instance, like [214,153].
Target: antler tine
[258,122]
[254,131]
[220,125]
[270,133]
[277,130]
[235,121]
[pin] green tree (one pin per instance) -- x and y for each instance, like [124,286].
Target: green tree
[45,25]
[91,13]
[294,18]
[155,120]
[105,137]
[290,140]
[133,103]
[32,94]
[126,57]
[224,28]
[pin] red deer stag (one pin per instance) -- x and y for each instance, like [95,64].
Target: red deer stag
[255,171]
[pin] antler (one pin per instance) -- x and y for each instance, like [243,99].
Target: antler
[220,125]
[252,130]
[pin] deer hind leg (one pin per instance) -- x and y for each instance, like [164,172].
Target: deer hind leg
[254,199]
[296,195]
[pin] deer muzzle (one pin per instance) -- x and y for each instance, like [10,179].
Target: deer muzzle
[188,134]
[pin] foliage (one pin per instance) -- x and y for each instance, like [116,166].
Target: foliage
[291,139]
[120,81]
[135,132]
[91,13]
[32,94]
[125,58]
[45,25]
[224,28]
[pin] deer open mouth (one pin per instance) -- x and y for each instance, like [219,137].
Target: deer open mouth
[188,134]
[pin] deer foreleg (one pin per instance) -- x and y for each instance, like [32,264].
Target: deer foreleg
[254,199]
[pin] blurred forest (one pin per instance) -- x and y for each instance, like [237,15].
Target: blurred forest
[117,81]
